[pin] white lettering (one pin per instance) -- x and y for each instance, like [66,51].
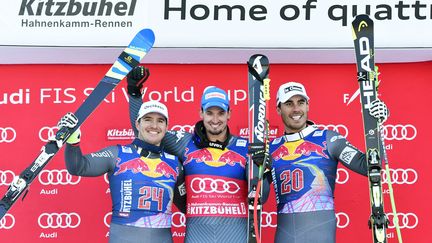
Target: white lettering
[48,235]
[17,98]
[49,192]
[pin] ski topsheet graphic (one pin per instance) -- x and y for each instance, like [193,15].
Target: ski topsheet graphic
[363,36]
[259,94]
[140,45]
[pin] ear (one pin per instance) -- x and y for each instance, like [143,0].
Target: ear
[278,109]
[201,113]
[229,114]
[137,124]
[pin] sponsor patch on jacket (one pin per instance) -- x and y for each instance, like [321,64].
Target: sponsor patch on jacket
[334,138]
[277,140]
[241,143]
[317,133]
[347,155]
[169,156]
[127,150]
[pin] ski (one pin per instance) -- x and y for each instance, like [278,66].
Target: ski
[362,29]
[259,94]
[127,60]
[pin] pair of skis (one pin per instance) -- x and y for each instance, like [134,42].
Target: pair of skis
[367,76]
[128,59]
[259,95]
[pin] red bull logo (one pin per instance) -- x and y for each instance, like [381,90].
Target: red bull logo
[216,157]
[231,158]
[166,170]
[200,155]
[293,150]
[150,167]
[306,148]
[280,152]
[135,165]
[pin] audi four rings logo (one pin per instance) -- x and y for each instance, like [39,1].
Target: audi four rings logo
[399,132]
[209,185]
[342,176]
[6,177]
[186,128]
[178,219]
[341,129]
[7,134]
[406,220]
[47,132]
[107,219]
[7,222]
[57,177]
[401,176]
[59,220]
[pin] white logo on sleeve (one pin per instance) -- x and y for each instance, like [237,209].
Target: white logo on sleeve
[347,155]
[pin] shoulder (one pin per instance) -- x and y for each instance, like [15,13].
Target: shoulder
[176,136]
[277,141]
[238,141]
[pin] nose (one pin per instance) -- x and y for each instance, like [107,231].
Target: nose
[153,124]
[214,118]
[296,107]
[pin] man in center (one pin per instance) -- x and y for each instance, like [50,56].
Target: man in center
[215,165]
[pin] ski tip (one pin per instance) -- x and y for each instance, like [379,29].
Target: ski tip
[145,39]
[148,34]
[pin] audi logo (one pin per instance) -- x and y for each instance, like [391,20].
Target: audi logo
[341,129]
[406,220]
[178,219]
[209,185]
[268,219]
[58,177]
[399,132]
[107,219]
[185,128]
[59,220]
[342,220]
[45,133]
[7,134]
[7,222]
[6,177]
[400,176]
[342,176]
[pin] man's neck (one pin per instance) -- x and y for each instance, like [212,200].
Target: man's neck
[220,137]
[291,131]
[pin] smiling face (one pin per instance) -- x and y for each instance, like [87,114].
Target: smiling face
[215,121]
[152,128]
[294,113]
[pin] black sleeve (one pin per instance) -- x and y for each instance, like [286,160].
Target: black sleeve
[180,191]
[134,106]
[341,150]
[94,164]
[266,182]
